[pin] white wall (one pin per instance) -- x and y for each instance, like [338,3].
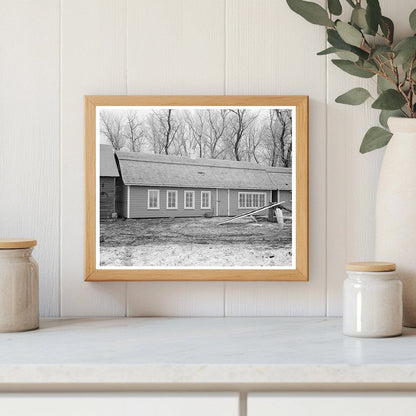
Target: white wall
[55,52]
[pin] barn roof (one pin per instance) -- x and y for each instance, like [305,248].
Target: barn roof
[281,178]
[108,165]
[145,169]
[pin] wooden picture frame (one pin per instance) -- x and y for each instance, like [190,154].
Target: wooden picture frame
[299,269]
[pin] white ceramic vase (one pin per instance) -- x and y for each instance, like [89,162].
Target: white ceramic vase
[396,210]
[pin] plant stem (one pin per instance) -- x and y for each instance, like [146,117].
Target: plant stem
[411,91]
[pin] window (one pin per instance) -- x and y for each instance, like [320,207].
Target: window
[153,199]
[189,199]
[205,199]
[172,199]
[251,200]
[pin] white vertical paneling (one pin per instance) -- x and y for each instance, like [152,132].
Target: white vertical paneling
[175,47]
[175,299]
[29,142]
[271,50]
[352,177]
[93,59]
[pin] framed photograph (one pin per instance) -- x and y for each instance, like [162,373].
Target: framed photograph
[196,188]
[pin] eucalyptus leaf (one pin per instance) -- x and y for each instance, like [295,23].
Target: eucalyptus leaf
[412,20]
[358,18]
[349,34]
[381,50]
[327,51]
[383,84]
[348,56]
[389,100]
[334,7]
[405,51]
[352,68]
[370,64]
[360,52]
[386,114]
[375,138]
[356,96]
[387,27]
[373,15]
[335,40]
[311,12]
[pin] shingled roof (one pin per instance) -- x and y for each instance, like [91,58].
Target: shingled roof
[281,178]
[108,165]
[143,169]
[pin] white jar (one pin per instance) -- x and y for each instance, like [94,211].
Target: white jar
[19,286]
[372,300]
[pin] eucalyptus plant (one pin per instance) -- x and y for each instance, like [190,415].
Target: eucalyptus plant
[365,47]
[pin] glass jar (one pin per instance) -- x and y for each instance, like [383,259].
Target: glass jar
[372,300]
[19,286]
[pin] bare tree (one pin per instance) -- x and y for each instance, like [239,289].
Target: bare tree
[216,132]
[196,125]
[240,121]
[252,145]
[133,132]
[279,145]
[164,128]
[183,144]
[111,126]
[260,136]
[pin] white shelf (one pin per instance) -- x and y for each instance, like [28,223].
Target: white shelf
[200,352]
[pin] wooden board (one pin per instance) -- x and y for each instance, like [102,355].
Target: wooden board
[12,243]
[29,143]
[93,59]
[370,266]
[301,242]
[262,60]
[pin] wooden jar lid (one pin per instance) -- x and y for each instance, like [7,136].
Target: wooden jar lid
[371,266]
[12,243]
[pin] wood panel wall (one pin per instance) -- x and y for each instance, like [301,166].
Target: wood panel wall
[56,51]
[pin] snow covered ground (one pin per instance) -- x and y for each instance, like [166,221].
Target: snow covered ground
[194,242]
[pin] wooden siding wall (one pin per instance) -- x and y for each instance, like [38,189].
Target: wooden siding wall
[287,197]
[107,197]
[121,198]
[227,202]
[56,51]
[222,202]
[138,203]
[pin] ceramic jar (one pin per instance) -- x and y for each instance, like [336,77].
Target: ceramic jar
[372,300]
[19,286]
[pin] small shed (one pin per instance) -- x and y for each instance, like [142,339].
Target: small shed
[171,186]
[108,175]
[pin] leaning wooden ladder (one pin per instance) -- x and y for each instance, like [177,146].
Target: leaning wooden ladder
[254,211]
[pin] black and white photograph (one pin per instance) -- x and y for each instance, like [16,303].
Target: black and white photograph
[195,187]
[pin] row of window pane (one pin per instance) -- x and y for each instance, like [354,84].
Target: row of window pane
[205,199]
[189,199]
[172,197]
[251,200]
[153,199]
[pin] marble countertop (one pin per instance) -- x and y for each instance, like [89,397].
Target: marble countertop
[204,351]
